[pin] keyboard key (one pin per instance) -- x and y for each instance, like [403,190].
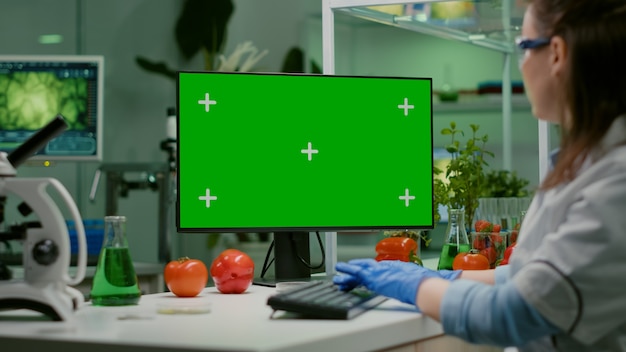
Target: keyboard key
[323,299]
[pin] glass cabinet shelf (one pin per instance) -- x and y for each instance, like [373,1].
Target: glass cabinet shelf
[480,105]
[492,24]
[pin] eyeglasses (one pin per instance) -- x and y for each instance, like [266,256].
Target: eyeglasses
[524,44]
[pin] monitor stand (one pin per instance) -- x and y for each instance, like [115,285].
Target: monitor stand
[292,259]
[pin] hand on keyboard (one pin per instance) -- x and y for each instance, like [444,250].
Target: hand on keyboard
[395,279]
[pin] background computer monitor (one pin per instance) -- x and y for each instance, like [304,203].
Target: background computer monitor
[34,89]
[293,153]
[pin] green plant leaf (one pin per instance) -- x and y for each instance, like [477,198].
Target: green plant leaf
[315,68]
[465,172]
[212,240]
[504,183]
[203,24]
[452,149]
[294,61]
[155,67]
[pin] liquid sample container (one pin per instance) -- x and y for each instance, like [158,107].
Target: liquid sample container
[115,282]
[456,239]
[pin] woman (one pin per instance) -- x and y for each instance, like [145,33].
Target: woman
[565,286]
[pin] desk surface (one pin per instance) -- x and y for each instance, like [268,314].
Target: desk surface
[234,323]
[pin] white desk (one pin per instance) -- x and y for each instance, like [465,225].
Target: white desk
[234,323]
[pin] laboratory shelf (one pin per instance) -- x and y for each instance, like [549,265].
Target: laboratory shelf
[491,24]
[480,104]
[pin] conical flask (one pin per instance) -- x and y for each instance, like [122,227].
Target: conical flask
[115,282]
[456,240]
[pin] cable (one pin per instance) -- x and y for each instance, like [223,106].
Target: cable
[266,264]
[308,265]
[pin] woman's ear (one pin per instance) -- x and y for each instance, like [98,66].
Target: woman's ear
[558,56]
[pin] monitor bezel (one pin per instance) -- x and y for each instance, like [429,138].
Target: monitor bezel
[99,60]
[292,229]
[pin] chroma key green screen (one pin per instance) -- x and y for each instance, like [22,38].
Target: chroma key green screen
[289,152]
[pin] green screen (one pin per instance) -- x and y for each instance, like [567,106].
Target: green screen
[303,152]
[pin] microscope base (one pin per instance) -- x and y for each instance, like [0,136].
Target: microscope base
[54,300]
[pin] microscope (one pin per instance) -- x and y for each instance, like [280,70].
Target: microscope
[46,285]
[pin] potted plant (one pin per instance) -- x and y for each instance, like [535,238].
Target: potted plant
[460,189]
[505,183]
[503,199]
[202,28]
[464,174]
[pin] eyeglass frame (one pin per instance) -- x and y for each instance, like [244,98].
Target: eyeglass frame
[524,44]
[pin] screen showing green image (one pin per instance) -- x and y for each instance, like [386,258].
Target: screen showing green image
[290,152]
[35,88]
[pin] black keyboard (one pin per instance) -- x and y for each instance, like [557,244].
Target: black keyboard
[323,299]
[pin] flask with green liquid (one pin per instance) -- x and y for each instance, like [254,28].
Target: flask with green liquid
[456,240]
[115,281]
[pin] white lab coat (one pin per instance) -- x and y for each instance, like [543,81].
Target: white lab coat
[570,260]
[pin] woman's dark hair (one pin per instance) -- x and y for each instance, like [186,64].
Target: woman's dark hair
[595,34]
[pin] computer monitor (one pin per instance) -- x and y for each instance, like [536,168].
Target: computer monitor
[34,89]
[299,153]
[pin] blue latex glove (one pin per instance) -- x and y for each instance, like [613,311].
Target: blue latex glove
[348,282]
[396,279]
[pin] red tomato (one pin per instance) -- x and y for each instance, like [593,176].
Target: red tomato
[478,242]
[481,225]
[496,238]
[395,248]
[507,254]
[471,260]
[186,277]
[232,271]
[402,258]
[490,253]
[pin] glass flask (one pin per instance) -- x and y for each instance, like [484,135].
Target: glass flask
[456,240]
[115,282]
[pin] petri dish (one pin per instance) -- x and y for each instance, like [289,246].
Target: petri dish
[184,306]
